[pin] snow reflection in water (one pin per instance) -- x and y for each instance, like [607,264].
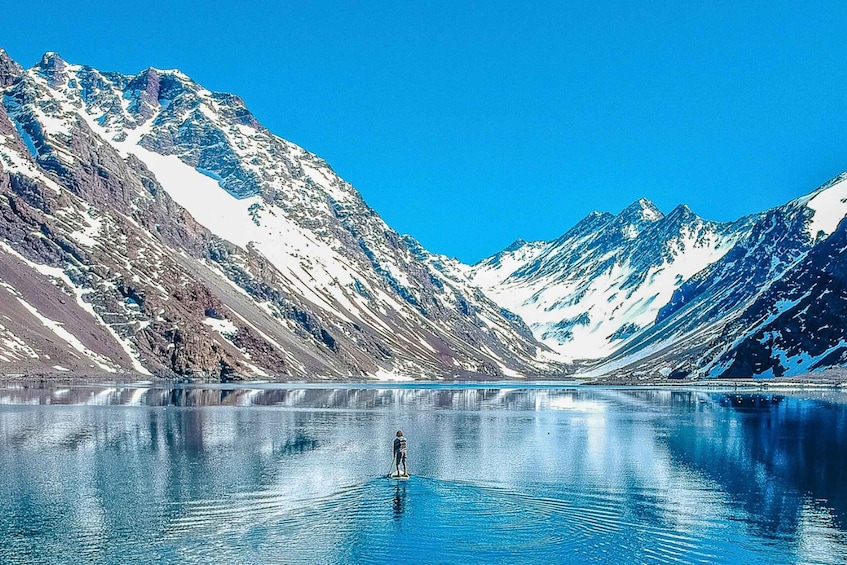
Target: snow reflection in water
[540,474]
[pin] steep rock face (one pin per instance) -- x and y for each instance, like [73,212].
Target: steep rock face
[10,71]
[206,247]
[799,323]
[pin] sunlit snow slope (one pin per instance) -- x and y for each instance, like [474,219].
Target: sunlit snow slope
[605,279]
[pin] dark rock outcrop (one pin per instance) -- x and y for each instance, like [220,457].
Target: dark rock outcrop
[10,71]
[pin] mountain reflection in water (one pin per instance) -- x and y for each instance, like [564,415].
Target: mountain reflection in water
[535,474]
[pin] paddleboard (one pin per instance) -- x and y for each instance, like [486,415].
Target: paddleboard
[400,477]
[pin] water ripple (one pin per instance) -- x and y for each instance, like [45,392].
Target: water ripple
[445,520]
[658,477]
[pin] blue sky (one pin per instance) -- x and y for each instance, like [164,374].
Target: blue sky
[471,124]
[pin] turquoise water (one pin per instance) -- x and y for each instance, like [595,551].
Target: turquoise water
[499,475]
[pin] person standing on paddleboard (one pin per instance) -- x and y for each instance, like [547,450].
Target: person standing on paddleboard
[400,452]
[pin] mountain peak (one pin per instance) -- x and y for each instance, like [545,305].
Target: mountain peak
[515,245]
[145,80]
[642,210]
[591,223]
[147,84]
[828,206]
[52,67]
[51,59]
[682,211]
[10,71]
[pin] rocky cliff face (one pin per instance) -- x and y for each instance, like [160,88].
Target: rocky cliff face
[152,226]
[799,323]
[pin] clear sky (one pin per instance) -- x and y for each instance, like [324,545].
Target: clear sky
[471,124]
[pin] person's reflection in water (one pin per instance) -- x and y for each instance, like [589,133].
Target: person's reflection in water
[399,501]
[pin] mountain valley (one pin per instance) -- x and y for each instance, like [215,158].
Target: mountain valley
[151,227]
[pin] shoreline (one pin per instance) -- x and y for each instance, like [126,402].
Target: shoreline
[831,379]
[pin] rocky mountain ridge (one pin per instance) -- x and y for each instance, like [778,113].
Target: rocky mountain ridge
[604,279]
[646,294]
[150,226]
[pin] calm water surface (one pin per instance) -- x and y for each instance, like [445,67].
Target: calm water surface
[500,475]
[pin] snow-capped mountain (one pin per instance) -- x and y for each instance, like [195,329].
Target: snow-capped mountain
[713,313]
[586,292]
[150,225]
[647,294]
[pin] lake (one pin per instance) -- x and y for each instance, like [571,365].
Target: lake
[500,474]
